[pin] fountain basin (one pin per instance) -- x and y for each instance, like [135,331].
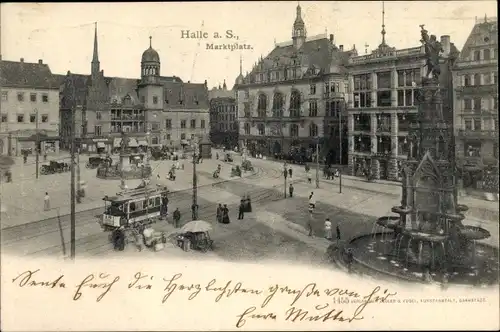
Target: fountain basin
[401,209]
[422,236]
[474,233]
[113,173]
[391,222]
[462,208]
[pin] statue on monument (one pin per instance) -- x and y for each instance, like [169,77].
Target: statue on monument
[433,49]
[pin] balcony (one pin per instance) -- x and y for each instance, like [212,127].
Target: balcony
[128,118]
[467,64]
[384,129]
[478,134]
[470,111]
[477,89]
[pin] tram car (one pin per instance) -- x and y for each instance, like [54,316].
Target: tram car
[141,206]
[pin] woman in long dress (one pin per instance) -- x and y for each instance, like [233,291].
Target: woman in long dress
[225,215]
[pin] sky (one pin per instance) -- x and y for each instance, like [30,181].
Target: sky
[62,33]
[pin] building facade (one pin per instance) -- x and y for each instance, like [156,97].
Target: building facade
[382,105]
[224,128]
[154,110]
[475,76]
[294,97]
[29,108]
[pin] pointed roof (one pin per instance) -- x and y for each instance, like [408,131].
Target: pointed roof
[150,55]
[299,22]
[427,169]
[95,56]
[484,33]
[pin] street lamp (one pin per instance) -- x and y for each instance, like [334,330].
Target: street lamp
[285,174]
[194,207]
[317,162]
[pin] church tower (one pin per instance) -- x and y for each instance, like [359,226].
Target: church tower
[299,30]
[95,64]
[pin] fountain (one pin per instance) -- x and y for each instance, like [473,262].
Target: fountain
[131,165]
[426,237]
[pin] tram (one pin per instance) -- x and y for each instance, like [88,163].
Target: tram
[141,206]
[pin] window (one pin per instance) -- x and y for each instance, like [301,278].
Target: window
[313,130]
[294,130]
[246,127]
[155,126]
[472,149]
[477,104]
[98,115]
[20,118]
[467,80]
[384,98]
[486,54]
[168,123]
[313,108]
[362,82]
[477,124]
[97,130]
[477,55]
[477,79]
[4,118]
[406,77]
[467,104]
[45,98]
[143,99]
[362,99]
[312,89]
[262,105]
[33,118]
[202,124]
[278,103]
[486,79]
[261,128]
[155,100]
[20,96]
[183,136]
[295,103]
[5,95]
[495,78]
[33,97]
[333,108]
[183,124]
[168,136]
[384,80]
[154,140]
[193,123]
[468,124]
[45,118]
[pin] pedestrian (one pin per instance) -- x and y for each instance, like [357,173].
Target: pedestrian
[309,177]
[290,190]
[349,259]
[46,202]
[225,215]
[338,233]
[309,222]
[194,211]
[290,172]
[177,218]
[241,210]
[312,202]
[219,213]
[328,229]
[217,155]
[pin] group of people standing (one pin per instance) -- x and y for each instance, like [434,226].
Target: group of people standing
[222,214]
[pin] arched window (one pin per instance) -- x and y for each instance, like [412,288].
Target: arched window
[295,103]
[247,128]
[477,79]
[261,128]
[313,130]
[294,130]
[477,55]
[278,104]
[486,54]
[262,105]
[441,148]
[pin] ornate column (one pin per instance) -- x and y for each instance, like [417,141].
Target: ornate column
[393,160]
[350,89]
[375,164]
[394,86]
[374,90]
[350,137]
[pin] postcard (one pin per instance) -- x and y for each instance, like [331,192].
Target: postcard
[328,165]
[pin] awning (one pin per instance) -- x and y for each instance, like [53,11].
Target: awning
[132,143]
[101,145]
[142,142]
[116,142]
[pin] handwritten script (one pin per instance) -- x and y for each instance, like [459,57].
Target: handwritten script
[330,302]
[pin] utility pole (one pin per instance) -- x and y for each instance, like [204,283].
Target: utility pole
[285,172]
[194,208]
[341,126]
[317,162]
[37,142]
[72,193]
[78,186]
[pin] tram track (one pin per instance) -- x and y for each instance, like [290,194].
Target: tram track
[49,227]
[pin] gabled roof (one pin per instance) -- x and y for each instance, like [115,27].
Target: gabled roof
[482,34]
[27,75]
[119,87]
[70,81]
[185,95]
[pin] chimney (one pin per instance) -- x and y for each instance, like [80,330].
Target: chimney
[331,38]
[22,59]
[445,42]
[341,48]
[68,73]
[40,61]
[205,82]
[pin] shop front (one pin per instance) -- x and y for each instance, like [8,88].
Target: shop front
[42,142]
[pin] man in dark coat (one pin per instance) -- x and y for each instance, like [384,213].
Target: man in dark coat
[177,218]
[338,233]
[241,210]
[219,213]
[290,190]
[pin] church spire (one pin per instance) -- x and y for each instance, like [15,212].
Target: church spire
[95,57]
[299,29]
[241,65]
